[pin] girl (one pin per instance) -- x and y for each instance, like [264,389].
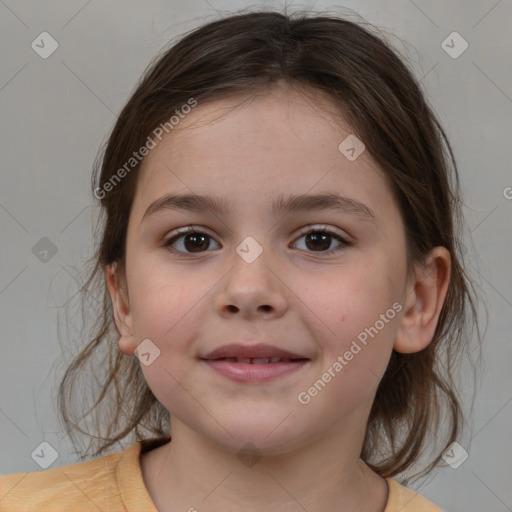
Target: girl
[280,253]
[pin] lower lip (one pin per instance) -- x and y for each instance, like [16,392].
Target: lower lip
[247,372]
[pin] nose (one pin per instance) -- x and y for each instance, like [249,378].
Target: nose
[253,290]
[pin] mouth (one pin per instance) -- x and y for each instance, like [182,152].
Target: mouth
[262,352]
[259,360]
[257,363]
[255,370]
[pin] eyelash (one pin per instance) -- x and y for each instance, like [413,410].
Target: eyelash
[320,229]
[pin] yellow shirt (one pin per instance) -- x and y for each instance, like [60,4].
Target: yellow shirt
[114,483]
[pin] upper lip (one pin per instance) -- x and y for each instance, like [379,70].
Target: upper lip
[261,350]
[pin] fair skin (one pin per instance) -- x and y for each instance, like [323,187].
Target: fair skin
[293,295]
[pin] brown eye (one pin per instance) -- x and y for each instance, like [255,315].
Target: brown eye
[189,242]
[320,240]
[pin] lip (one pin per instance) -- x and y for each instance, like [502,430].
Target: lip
[221,360]
[259,351]
[251,372]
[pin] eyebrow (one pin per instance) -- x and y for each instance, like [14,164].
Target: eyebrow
[292,203]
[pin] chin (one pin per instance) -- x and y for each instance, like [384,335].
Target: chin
[259,435]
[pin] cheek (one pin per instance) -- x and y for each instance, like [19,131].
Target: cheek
[355,315]
[352,297]
[167,310]
[164,299]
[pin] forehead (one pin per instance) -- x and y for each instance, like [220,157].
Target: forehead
[257,145]
[246,119]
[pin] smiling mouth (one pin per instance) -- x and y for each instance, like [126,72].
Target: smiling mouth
[255,369]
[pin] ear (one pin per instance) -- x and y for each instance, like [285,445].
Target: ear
[116,283]
[426,292]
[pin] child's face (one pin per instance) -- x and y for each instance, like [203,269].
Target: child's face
[293,296]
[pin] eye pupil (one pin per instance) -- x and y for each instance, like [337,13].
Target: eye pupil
[192,247]
[317,237]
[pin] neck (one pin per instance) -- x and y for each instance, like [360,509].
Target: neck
[191,472]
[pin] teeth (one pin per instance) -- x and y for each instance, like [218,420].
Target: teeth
[260,361]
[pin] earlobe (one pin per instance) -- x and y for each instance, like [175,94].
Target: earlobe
[425,296]
[121,309]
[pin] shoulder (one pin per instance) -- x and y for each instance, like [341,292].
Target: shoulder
[404,499]
[84,486]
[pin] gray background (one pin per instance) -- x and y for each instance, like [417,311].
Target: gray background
[55,112]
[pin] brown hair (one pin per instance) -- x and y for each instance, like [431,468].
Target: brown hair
[385,107]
